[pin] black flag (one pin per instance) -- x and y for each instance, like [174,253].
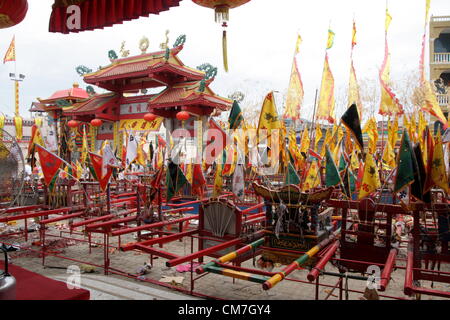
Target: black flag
[351,121]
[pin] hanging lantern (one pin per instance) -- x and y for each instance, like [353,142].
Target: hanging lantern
[12,12]
[149,117]
[222,15]
[96,122]
[183,115]
[73,124]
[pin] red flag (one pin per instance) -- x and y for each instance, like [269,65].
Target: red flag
[429,164]
[211,144]
[50,163]
[314,154]
[161,142]
[360,175]
[157,179]
[198,180]
[124,156]
[97,162]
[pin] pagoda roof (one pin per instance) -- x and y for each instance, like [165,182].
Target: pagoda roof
[188,94]
[148,70]
[74,93]
[93,105]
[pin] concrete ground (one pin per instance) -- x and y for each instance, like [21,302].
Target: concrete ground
[121,287]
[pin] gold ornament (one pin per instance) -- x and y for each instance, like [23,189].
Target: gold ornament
[144,44]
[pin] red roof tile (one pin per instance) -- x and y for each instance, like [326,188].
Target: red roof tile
[92,104]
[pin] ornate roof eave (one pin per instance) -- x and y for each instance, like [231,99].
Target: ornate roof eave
[129,60]
[201,100]
[73,110]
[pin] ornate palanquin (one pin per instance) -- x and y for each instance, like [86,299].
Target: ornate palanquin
[295,221]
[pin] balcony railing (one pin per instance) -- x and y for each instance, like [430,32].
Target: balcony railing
[442,58]
[440,19]
[443,99]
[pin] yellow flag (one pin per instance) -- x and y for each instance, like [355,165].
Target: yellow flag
[79,170]
[431,105]
[371,179]
[141,154]
[312,177]
[297,45]
[354,161]
[438,173]
[11,53]
[394,133]
[189,173]
[18,123]
[294,149]
[218,180]
[84,147]
[2,125]
[325,109]
[317,137]
[305,143]
[294,99]
[388,20]
[421,126]
[268,118]
[427,10]
[330,40]
[353,91]
[389,155]
[354,34]
[371,130]
[328,137]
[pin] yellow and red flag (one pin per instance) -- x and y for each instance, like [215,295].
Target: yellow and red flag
[438,174]
[294,99]
[11,52]
[325,108]
[97,165]
[371,179]
[312,177]
[50,164]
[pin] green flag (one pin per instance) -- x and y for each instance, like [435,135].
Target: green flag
[342,163]
[235,119]
[292,176]
[405,164]
[332,177]
[175,180]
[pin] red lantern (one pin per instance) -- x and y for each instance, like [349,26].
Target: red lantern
[12,12]
[183,115]
[96,122]
[73,124]
[222,11]
[149,117]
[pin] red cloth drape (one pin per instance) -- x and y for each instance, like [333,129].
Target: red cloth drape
[97,14]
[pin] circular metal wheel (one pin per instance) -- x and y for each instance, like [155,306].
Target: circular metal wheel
[12,171]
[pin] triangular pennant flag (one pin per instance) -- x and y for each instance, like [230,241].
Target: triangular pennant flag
[351,121]
[332,177]
[292,176]
[50,164]
[175,180]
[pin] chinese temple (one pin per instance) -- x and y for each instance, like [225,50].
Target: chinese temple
[123,107]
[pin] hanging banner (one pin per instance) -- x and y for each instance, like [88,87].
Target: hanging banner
[140,124]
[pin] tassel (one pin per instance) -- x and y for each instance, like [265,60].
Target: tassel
[225,50]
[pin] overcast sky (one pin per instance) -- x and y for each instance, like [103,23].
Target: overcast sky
[261,41]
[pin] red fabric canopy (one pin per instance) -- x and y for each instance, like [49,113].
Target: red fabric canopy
[97,14]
